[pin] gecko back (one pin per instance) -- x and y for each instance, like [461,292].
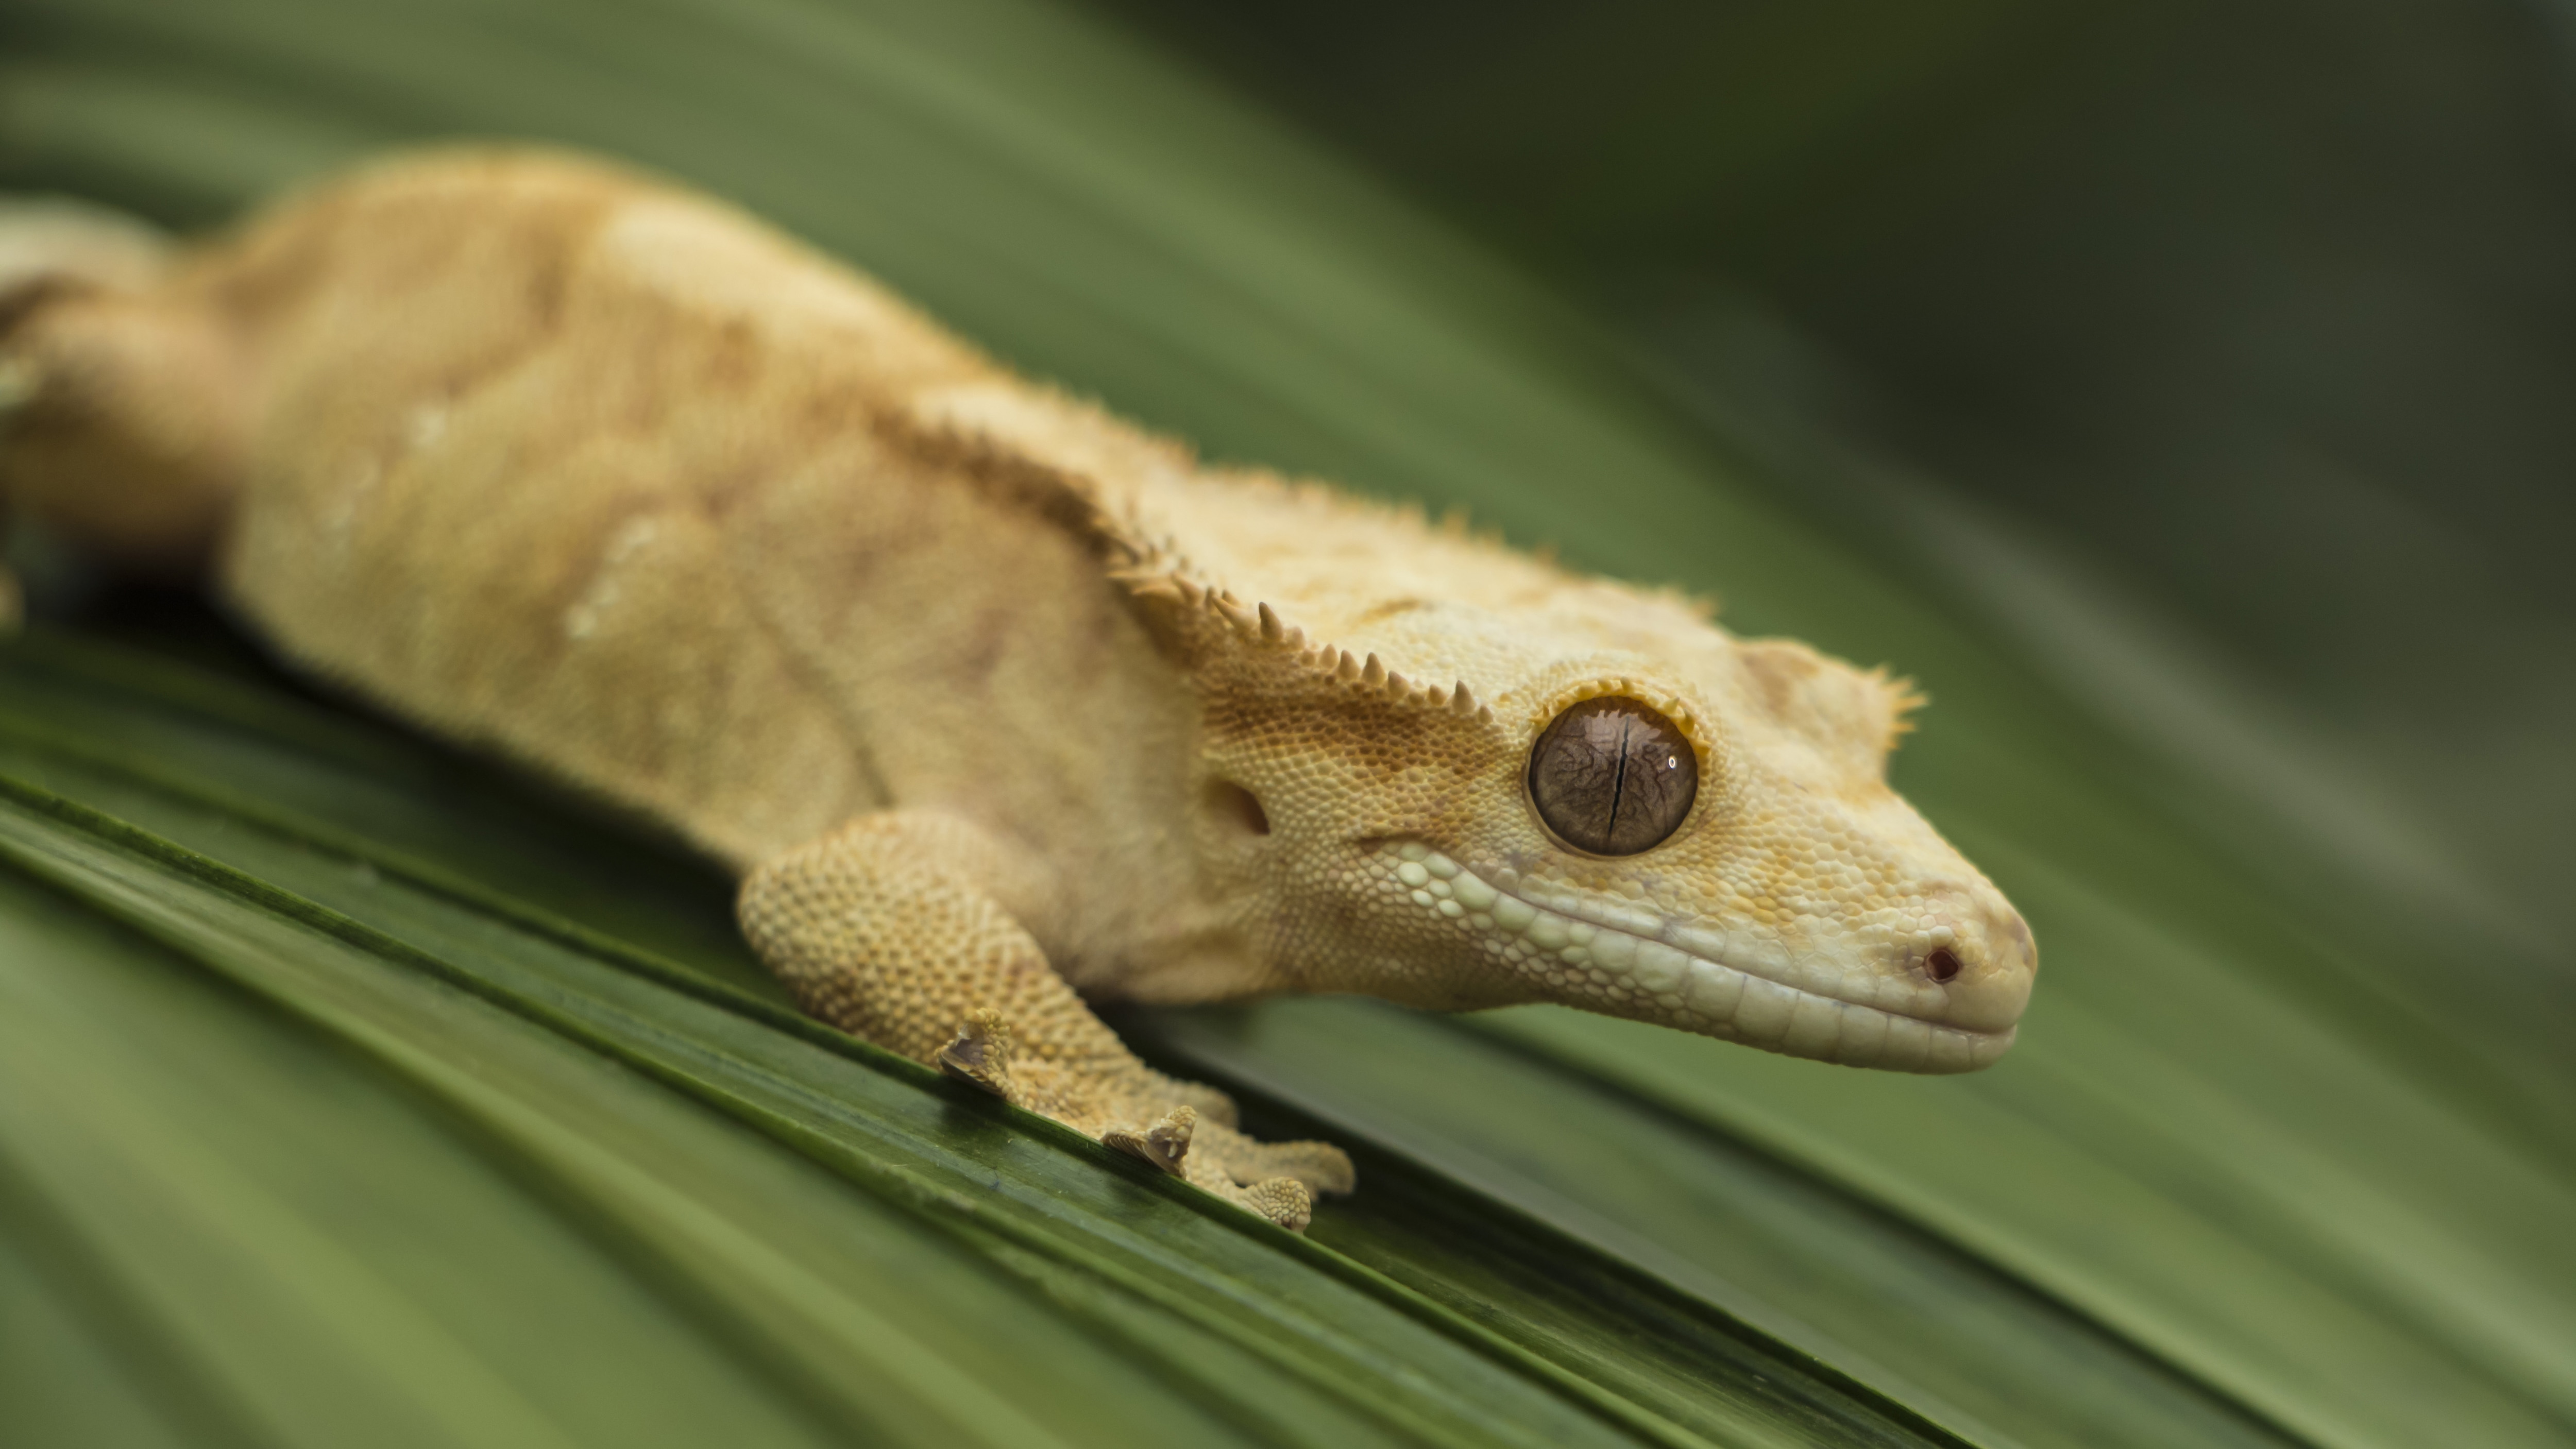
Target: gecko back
[480,436]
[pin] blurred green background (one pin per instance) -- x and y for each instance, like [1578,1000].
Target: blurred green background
[2174,391]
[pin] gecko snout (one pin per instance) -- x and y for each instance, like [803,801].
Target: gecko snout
[1985,969]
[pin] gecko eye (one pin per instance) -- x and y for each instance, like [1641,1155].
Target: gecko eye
[1612,777]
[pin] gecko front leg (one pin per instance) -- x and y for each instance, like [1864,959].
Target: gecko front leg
[886,929]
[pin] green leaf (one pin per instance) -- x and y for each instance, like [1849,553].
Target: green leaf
[417,966]
[353,1092]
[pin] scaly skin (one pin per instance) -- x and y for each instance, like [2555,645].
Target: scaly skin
[996,703]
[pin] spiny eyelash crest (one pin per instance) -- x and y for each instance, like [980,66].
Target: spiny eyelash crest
[1662,701]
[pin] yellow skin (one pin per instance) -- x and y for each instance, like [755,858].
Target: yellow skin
[994,701]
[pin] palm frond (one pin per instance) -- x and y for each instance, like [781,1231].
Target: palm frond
[353,1093]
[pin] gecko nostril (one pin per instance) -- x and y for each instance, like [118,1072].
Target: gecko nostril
[1942,964]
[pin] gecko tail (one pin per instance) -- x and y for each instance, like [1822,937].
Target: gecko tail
[122,413]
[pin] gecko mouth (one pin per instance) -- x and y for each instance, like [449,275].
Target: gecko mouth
[1624,961]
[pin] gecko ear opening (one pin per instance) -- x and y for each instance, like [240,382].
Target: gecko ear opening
[1237,807]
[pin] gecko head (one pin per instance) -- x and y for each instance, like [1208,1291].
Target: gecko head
[1701,835]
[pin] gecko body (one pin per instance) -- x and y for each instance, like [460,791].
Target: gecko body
[994,702]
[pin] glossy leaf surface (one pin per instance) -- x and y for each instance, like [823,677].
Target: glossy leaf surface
[355,1092]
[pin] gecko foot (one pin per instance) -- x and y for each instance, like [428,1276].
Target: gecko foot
[1224,1152]
[1191,1133]
[1284,1197]
[1277,1180]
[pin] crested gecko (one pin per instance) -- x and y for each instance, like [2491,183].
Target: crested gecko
[994,703]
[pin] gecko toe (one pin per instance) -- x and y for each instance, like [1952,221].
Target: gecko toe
[1319,1165]
[1283,1200]
[981,1054]
[1166,1144]
[1236,1158]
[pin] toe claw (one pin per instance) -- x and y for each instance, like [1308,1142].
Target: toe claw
[1165,1144]
[981,1053]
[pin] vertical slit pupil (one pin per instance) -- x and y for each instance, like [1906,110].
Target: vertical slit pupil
[1619,779]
